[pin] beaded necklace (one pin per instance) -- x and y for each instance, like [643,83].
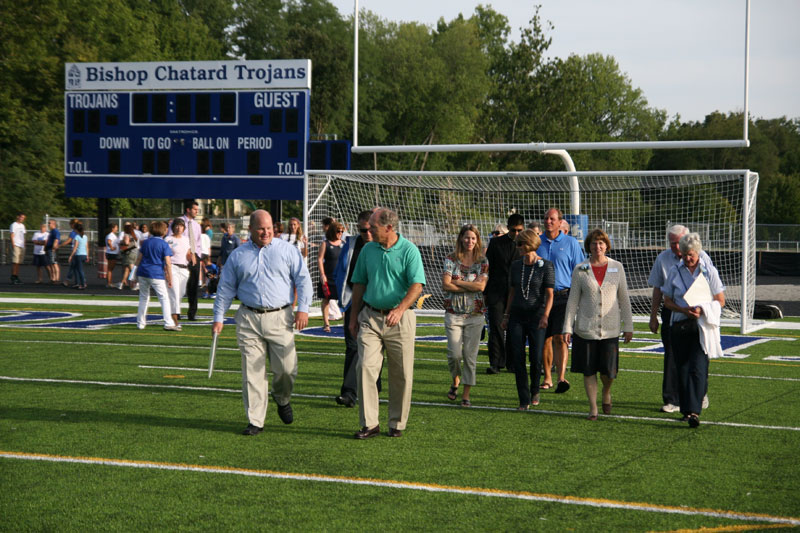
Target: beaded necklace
[526,288]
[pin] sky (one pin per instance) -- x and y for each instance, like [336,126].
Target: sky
[687,56]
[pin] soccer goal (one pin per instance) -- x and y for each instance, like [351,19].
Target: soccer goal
[635,208]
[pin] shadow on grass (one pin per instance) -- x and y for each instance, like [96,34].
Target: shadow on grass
[31,414]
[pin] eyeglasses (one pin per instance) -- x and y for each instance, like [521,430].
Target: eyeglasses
[495,233]
[362,230]
[515,230]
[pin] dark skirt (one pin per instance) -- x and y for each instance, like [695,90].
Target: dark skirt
[591,356]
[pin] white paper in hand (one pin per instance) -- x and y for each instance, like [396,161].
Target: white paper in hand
[699,292]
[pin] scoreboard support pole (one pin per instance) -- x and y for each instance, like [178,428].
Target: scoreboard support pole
[103,209]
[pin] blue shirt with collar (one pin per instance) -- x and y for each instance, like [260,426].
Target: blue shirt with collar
[680,279]
[565,253]
[263,277]
[664,263]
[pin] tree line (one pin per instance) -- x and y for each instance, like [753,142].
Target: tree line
[462,81]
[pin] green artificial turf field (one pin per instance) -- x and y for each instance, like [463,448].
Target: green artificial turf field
[116,429]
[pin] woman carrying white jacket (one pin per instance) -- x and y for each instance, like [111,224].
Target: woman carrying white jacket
[597,309]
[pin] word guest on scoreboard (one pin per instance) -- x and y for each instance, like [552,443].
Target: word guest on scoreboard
[217,129]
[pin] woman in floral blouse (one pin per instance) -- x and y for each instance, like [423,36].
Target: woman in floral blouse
[463,280]
[530,298]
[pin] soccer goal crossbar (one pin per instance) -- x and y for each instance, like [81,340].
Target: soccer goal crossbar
[635,208]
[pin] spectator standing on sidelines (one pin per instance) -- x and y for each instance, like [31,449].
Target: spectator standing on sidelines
[39,258]
[182,258]
[565,252]
[68,242]
[667,259]
[295,236]
[154,270]
[262,274]
[80,251]
[387,282]
[18,247]
[228,243]
[348,394]
[112,254]
[51,250]
[193,231]
[502,251]
[129,253]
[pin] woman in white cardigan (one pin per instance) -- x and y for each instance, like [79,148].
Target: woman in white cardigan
[598,307]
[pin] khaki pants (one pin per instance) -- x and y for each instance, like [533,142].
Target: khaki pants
[259,335]
[463,342]
[398,341]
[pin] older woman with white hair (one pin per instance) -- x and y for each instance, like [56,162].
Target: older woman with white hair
[694,329]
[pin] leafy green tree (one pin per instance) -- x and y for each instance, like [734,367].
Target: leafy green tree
[774,153]
[42,38]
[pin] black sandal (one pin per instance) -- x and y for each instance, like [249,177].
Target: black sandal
[452,394]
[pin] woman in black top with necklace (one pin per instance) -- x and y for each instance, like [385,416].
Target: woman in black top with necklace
[530,298]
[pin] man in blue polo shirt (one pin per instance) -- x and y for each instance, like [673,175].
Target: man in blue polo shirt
[565,252]
[387,281]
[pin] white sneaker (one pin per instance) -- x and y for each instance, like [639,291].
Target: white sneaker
[119,285]
[139,326]
[705,401]
[669,408]
[172,328]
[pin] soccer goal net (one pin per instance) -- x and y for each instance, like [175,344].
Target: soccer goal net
[634,208]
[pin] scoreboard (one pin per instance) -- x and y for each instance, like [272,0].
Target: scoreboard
[226,129]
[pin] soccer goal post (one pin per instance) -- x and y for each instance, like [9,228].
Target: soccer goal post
[635,208]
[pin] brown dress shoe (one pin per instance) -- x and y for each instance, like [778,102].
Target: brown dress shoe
[366,433]
[394,432]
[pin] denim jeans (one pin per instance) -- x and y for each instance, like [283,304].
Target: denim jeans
[520,330]
[76,266]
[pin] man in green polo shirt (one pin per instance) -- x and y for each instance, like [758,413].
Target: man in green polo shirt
[387,280]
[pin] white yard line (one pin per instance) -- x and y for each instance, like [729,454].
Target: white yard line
[426,404]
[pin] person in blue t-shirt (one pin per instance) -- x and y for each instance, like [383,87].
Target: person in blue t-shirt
[51,251]
[565,252]
[228,243]
[154,269]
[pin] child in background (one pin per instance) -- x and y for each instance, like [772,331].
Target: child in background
[212,279]
[154,269]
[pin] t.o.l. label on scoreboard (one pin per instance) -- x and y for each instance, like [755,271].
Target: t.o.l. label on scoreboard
[212,129]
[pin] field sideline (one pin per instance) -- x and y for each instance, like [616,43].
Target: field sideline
[104,427]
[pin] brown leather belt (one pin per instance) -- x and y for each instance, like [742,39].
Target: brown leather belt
[381,311]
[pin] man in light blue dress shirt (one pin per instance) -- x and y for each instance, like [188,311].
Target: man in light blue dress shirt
[263,274]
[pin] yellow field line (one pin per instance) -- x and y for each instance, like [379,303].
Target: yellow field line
[726,529]
[409,485]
